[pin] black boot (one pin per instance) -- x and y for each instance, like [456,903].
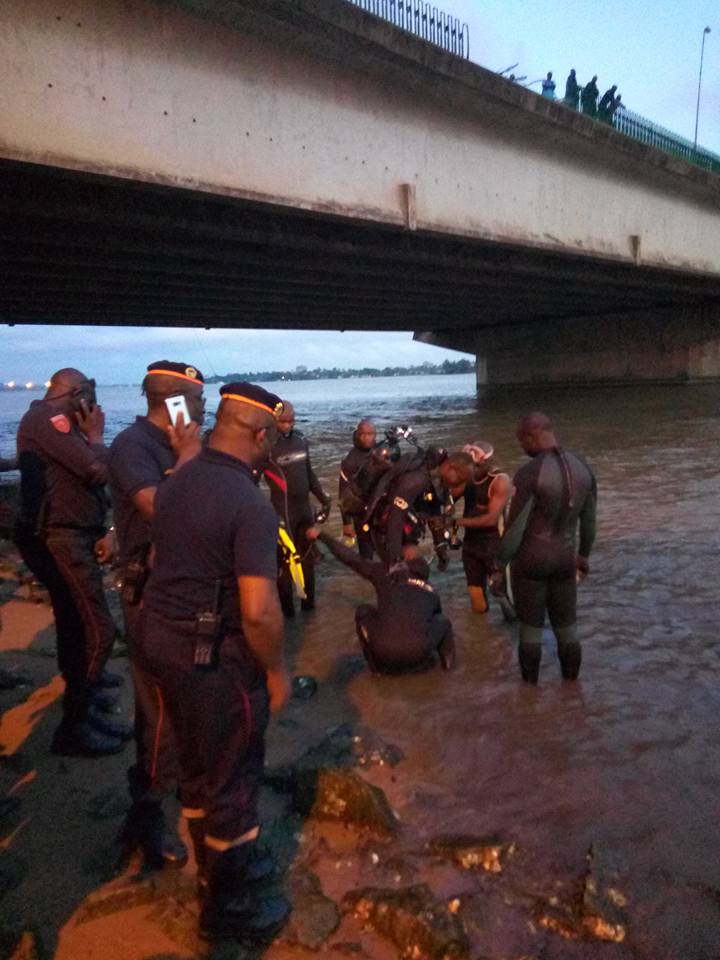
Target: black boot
[529,655]
[234,909]
[570,656]
[260,865]
[145,828]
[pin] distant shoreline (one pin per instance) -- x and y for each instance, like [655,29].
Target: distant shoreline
[297,376]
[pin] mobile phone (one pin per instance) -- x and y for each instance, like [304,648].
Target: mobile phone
[176,406]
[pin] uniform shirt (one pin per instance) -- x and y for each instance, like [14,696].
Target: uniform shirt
[211,524]
[405,608]
[62,476]
[140,457]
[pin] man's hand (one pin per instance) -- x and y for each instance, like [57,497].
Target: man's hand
[312,533]
[348,530]
[184,439]
[323,513]
[91,422]
[279,689]
[105,548]
[582,566]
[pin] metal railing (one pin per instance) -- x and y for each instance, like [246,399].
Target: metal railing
[639,128]
[424,20]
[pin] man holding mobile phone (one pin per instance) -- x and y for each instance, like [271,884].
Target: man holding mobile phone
[141,457]
[63,469]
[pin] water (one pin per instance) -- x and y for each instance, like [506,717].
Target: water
[627,759]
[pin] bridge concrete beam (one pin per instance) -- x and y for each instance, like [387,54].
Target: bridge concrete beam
[680,345]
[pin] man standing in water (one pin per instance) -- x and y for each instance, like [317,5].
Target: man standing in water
[291,479]
[363,442]
[554,493]
[486,492]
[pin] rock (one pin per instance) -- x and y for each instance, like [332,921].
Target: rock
[594,908]
[129,894]
[343,746]
[314,916]
[470,853]
[12,872]
[603,916]
[303,688]
[419,926]
[343,796]
[9,680]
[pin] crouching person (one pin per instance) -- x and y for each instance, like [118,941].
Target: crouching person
[407,630]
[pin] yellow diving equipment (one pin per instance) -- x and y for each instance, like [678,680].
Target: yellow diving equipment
[291,557]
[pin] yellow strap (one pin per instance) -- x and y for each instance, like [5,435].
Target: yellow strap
[292,558]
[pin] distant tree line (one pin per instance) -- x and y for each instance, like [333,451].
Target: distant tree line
[337,373]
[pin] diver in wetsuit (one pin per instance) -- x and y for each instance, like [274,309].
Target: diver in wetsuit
[407,630]
[554,494]
[291,479]
[364,438]
[403,502]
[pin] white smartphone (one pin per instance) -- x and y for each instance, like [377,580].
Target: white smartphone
[175,407]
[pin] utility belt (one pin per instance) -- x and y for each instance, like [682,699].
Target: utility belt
[208,628]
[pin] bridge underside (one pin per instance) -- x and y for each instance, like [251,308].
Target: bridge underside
[86,249]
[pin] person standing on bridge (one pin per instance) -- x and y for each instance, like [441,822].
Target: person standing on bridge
[605,107]
[589,97]
[554,494]
[572,91]
[548,87]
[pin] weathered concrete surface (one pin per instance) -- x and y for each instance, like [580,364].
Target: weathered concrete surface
[323,108]
[668,345]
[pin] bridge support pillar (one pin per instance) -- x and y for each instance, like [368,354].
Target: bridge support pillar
[670,345]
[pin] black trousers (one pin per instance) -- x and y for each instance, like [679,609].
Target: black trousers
[420,652]
[218,718]
[65,564]
[364,539]
[154,775]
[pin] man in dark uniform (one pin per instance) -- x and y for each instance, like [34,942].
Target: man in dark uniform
[485,494]
[407,630]
[141,458]
[211,639]
[403,502]
[291,479]
[63,467]
[589,97]
[354,525]
[554,494]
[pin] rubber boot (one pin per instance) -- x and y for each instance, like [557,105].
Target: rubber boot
[569,652]
[260,865]
[145,828]
[234,909]
[530,652]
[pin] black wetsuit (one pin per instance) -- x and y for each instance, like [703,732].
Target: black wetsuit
[350,469]
[291,479]
[404,500]
[407,629]
[480,544]
[554,494]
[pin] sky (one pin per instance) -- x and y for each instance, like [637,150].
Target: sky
[650,49]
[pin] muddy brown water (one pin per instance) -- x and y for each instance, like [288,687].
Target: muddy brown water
[626,759]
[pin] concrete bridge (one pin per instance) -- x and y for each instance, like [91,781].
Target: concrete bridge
[300,163]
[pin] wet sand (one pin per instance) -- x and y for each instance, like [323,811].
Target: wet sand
[626,761]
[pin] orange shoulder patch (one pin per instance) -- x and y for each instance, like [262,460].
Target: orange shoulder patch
[61,423]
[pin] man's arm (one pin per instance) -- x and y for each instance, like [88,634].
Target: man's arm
[263,629]
[588,526]
[369,569]
[313,482]
[500,491]
[62,443]
[521,508]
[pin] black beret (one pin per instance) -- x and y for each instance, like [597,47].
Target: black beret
[254,395]
[182,371]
